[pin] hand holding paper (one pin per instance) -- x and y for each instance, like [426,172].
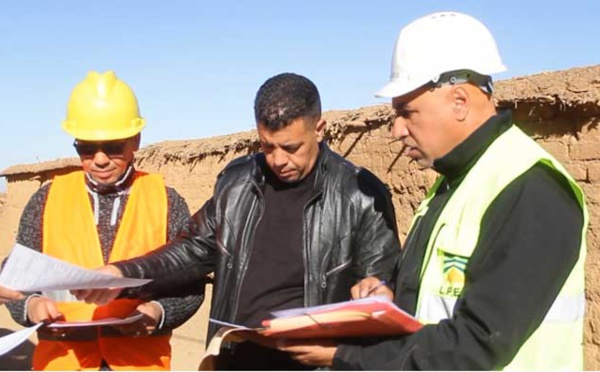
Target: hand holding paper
[100,296]
[40,309]
[148,316]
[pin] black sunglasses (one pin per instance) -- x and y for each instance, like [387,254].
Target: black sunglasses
[111,148]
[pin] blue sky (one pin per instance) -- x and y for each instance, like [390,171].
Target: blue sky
[196,65]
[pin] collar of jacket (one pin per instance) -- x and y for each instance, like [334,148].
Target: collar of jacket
[118,187]
[321,164]
[457,163]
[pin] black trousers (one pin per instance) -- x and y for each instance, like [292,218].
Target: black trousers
[248,356]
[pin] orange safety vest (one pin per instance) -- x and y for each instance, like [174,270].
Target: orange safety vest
[70,234]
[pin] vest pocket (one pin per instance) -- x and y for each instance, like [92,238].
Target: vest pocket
[459,240]
[452,249]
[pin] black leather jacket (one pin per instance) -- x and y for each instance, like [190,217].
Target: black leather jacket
[350,233]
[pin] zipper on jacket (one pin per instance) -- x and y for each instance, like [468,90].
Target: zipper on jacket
[411,236]
[307,231]
[249,244]
[223,250]
[322,273]
[333,271]
[226,253]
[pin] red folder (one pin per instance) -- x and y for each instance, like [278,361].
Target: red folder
[372,316]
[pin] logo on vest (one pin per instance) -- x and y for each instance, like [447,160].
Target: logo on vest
[454,275]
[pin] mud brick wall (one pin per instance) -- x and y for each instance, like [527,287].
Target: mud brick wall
[560,110]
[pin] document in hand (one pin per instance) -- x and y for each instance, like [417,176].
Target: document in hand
[371,316]
[95,323]
[28,270]
[11,341]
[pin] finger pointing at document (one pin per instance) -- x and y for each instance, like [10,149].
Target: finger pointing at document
[100,296]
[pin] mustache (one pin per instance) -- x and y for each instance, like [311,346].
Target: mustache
[396,140]
[404,146]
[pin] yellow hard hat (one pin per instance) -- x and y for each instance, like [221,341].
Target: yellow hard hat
[102,108]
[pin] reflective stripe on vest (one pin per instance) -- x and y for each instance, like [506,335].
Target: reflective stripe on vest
[565,309]
[70,234]
[557,343]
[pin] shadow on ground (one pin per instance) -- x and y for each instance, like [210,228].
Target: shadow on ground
[18,359]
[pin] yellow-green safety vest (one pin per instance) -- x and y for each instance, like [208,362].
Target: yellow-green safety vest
[557,344]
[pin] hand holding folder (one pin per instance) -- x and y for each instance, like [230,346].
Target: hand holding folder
[371,316]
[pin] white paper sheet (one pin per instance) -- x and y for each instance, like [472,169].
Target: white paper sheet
[227,324]
[309,310]
[9,342]
[100,322]
[29,270]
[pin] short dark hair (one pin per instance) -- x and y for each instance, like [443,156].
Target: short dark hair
[285,98]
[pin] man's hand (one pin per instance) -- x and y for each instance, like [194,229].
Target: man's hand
[152,315]
[100,296]
[41,309]
[370,286]
[7,295]
[310,352]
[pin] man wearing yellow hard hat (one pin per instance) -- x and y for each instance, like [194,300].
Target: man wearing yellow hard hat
[104,212]
[494,260]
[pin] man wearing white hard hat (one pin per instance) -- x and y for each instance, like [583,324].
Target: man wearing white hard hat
[494,260]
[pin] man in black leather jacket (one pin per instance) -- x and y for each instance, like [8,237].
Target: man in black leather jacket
[295,225]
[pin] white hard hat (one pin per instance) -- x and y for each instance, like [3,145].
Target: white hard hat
[439,43]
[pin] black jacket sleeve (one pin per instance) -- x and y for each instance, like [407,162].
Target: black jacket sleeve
[529,243]
[29,235]
[378,244]
[186,259]
[182,303]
